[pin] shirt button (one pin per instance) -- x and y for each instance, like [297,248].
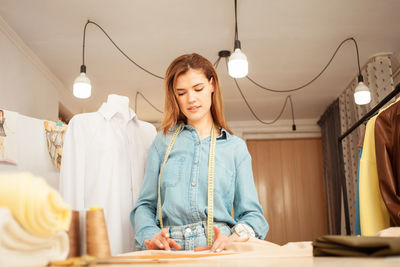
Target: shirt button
[198,143]
[193,184]
[196,161]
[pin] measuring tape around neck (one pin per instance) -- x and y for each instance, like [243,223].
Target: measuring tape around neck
[210,187]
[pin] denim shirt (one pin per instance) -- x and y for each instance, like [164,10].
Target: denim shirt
[184,185]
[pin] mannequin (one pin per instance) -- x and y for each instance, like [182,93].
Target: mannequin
[104,157]
[120,104]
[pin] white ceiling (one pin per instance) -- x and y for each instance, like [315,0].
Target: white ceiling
[287,43]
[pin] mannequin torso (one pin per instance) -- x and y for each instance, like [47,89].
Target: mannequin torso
[120,104]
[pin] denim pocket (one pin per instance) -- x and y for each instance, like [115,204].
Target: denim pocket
[173,172]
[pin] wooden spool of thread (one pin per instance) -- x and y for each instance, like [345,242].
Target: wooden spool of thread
[74,236]
[97,243]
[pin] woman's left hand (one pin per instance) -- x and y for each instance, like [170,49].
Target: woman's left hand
[220,241]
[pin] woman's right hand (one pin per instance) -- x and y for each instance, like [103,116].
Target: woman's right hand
[161,240]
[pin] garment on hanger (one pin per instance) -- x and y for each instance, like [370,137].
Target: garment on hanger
[387,145]
[2,121]
[54,140]
[373,213]
[8,137]
[103,165]
[357,226]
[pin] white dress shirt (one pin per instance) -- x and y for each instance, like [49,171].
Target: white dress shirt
[103,165]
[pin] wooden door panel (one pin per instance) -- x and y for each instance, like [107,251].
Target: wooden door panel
[289,178]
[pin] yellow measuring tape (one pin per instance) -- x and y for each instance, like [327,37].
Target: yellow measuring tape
[210,188]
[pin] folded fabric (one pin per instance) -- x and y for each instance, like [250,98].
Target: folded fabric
[391,231]
[38,208]
[20,248]
[356,246]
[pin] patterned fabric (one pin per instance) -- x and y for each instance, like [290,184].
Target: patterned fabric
[2,121]
[55,140]
[378,77]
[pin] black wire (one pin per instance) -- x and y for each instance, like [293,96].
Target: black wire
[254,114]
[291,106]
[216,63]
[358,56]
[252,111]
[84,42]
[119,49]
[139,93]
[316,77]
[236,29]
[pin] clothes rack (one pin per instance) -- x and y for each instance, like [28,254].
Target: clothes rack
[366,117]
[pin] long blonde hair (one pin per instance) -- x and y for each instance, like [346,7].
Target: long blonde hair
[172,114]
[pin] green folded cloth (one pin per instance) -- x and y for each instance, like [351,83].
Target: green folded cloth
[356,246]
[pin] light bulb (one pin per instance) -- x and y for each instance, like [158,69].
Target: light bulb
[362,95]
[238,67]
[82,86]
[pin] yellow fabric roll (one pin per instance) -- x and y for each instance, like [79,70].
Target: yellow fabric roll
[374,215]
[20,248]
[38,208]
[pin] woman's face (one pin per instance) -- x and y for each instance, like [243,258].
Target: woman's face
[194,91]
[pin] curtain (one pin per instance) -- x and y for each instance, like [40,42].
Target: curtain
[330,132]
[378,77]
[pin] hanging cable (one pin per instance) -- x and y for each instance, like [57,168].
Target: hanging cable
[236,29]
[318,75]
[136,96]
[119,49]
[216,63]
[255,115]
[279,115]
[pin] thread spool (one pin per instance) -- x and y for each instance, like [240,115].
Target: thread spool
[97,243]
[74,236]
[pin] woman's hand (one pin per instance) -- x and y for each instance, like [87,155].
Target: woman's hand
[161,240]
[220,241]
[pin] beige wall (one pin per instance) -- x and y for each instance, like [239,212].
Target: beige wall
[26,84]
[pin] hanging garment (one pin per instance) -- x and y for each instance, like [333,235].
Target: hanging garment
[373,213]
[2,120]
[357,230]
[54,140]
[8,137]
[103,165]
[26,140]
[387,145]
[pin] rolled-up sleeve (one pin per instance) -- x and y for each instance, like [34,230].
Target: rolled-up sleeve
[143,215]
[246,205]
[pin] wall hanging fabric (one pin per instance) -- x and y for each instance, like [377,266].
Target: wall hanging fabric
[8,137]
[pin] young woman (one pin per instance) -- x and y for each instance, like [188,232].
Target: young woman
[197,170]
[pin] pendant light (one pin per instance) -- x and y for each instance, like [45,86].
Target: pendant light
[362,95]
[82,86]
[238,67]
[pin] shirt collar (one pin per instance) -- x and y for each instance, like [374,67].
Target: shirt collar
[108,112]
[224,133]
